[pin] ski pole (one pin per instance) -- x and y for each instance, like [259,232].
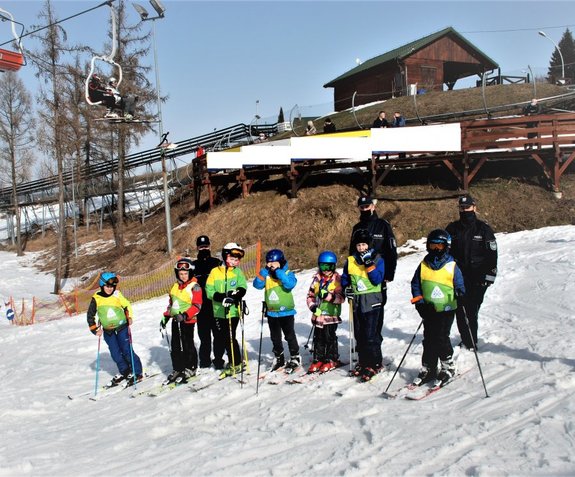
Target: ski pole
[97,366]
[167,336]
[260,347]
[243,345]
[306,345]
[474,350]
[404,355]
[232,357]
[245,312]
[132,356]
[351,334]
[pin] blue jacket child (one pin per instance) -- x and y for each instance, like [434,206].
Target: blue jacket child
[436,287]
[278,282]
[364,273]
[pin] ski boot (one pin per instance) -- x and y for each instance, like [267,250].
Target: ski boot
[447,371]
[130,379]
[279,362]
[357,371]
[116,380]
[425,375]
[367,374]
[293,363]
[314,367]
[328,366]
[230,371]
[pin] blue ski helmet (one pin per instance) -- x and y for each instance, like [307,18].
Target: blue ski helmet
[276,255]
[327,257]
[108,278]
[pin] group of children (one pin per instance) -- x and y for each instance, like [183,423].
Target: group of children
[436,286]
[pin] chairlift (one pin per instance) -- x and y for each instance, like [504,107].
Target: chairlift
[96,91]
[12,60]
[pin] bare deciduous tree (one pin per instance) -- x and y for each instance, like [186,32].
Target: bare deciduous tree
[16,138]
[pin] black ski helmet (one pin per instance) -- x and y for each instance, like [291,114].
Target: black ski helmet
[441,237]
[276,255]
[362,236]
[184,263]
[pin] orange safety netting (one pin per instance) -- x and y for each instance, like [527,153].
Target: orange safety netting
[135,288]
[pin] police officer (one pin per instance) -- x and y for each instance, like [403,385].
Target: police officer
[474,248]
[203,266]
[383,242]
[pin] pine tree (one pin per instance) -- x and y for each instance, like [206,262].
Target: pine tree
[567,47]
[281,116]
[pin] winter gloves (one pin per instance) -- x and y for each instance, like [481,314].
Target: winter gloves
[367,257]
[231,297]
[180,318]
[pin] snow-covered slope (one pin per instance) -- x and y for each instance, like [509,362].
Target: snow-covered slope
[332,426]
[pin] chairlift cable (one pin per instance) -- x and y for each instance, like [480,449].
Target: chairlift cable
[108,3]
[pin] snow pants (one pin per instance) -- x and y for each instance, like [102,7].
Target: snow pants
[206,329]
[367,329]
[325,343]
[283,324]
[183,350]
[474,294]
[119,344]
[227,339]
[436,342]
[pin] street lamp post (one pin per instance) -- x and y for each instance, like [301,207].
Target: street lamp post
[543,34]
[144,15]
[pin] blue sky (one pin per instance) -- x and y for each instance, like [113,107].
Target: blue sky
[217,59]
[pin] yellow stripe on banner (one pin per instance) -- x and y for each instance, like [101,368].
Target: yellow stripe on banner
[360,133]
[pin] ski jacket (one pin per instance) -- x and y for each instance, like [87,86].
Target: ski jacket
[278,291]
[327,309]
[366,282]
[220,282]
[474,248]
[112,311]
[186,298]
[383,241]
[438,282]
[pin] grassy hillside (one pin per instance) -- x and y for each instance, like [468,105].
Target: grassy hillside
[511,197]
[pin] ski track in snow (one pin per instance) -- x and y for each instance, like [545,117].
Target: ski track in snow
[329,426]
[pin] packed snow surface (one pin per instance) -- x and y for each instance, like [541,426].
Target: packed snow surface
[331,426]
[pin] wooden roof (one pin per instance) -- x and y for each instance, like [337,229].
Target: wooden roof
[407,50]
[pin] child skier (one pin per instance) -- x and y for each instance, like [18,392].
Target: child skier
[324,300]
[183,308]
[436,286]
[363,273]
[114,317]
[279,282]
[226,286]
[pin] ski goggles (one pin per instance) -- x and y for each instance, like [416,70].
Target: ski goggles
[436,246]
[236,253]
[183,266]
[327,267]
[111,282]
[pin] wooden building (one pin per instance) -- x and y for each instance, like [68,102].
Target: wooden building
[422,65]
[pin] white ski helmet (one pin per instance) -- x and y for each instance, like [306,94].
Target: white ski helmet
[232,249]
